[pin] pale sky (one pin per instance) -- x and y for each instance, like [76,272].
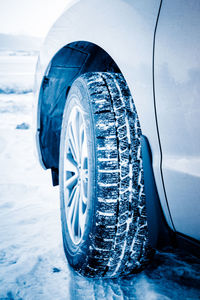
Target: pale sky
[29,17]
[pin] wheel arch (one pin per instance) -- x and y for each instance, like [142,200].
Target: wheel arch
[67,64]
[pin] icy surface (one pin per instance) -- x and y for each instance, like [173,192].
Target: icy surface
[32,262]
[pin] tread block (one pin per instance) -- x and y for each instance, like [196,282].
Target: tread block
[100,243]
[107,192]
[108,178]
[107,207]
[105,220]
[105,143]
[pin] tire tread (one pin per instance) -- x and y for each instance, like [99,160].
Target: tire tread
[120,195]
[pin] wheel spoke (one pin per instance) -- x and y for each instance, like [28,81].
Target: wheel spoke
[73,143]
[81,138]
[71,206]
[85,174]
[82,214]
[84,186]
[72,181]
[75,215]
[70,164]
[71,196]
[84,160]
[84,193]
[84,152]
[75,129]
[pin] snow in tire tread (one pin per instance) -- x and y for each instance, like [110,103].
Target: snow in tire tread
[120,243]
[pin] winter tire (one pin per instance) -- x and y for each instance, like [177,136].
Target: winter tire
[103,212]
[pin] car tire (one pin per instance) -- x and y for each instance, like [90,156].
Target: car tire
[103,213]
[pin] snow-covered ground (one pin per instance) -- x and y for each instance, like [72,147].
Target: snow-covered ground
[32,262]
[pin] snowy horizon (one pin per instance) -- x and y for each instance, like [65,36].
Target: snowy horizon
[19,42]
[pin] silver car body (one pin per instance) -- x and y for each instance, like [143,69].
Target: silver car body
[125,29]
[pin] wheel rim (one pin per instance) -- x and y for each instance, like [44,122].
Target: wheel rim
[76,175]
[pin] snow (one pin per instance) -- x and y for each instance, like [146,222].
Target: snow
[32,260]
[16,73]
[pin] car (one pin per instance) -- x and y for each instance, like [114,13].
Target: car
[117,95]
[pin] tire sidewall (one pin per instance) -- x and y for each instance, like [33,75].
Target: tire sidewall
[78,96]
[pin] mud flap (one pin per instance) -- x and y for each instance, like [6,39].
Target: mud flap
[160,235]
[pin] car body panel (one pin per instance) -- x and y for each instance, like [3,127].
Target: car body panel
[177,90]
[125,30]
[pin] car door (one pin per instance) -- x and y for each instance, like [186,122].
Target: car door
[177,96]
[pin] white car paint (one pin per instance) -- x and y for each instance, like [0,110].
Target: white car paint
[124,29]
